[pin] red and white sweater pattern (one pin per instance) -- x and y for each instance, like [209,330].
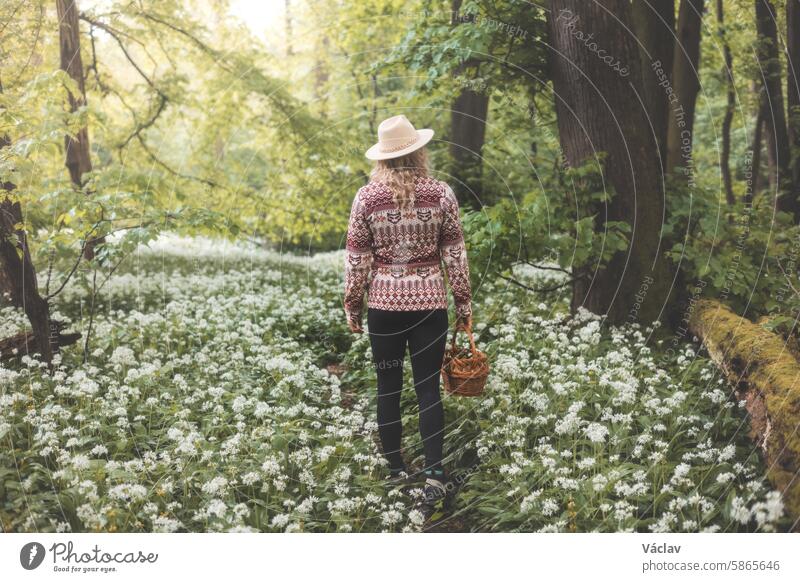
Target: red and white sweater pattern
[395,254]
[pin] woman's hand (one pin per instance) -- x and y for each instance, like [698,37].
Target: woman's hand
[463,322]
[355,325]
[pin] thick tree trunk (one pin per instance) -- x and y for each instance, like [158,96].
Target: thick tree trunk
[6,290]
[655,25]
[686,84]
[727,121]
[468,131]
[15,261]
[767,377]
[78,157]
[793,89]
[16,267]
[775,130]
[596,81]
[467,136]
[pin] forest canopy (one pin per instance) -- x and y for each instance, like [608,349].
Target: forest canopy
[182,118]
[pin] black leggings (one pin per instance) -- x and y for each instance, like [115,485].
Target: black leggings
[425,332]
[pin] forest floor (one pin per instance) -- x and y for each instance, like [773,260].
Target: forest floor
[222,391]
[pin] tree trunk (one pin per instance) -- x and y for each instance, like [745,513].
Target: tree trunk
[16,267]
[775,130]
[468,132]
[751,190]
[17,345]
[655,24]
[15,261]
[78,157]
[793,89]
[686,84]
[321,77]
[727,121]
[598,110]
[7,296]
[467,135]
[287,23]
[767,377]
[78,161]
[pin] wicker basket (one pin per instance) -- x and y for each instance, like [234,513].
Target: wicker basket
[464,373]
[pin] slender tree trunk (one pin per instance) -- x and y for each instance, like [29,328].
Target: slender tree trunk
[468,132]
[287,22]
[686,84]
[751,191]
[793,89]
[655,24]
[78,160]
[598,110]
[78,157]
[775,122]
[321,77]
[727,121]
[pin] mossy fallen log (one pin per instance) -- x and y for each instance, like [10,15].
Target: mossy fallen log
[766,375]
[784,327]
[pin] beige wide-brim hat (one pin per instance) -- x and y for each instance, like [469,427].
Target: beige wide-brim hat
[396,138]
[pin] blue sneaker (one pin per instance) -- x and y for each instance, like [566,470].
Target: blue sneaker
[436,495]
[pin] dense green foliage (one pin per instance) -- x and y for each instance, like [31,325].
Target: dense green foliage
[194,127]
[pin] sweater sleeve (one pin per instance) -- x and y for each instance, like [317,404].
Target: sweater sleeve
[454,253]
[358,261]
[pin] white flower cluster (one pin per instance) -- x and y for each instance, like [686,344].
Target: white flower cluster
[206,405]
[594,428]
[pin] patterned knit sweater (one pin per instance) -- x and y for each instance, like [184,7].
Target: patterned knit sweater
[396,254]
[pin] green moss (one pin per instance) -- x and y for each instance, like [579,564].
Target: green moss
[749,353]
[784,327]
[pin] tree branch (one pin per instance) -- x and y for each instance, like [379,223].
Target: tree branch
[74,267]
[172,171]
[540,290]
[116,36]
[140,127]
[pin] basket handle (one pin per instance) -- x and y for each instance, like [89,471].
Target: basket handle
[468,330]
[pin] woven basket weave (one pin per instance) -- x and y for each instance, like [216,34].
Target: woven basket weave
[464,373]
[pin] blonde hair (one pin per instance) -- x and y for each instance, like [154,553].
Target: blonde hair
[399,175]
